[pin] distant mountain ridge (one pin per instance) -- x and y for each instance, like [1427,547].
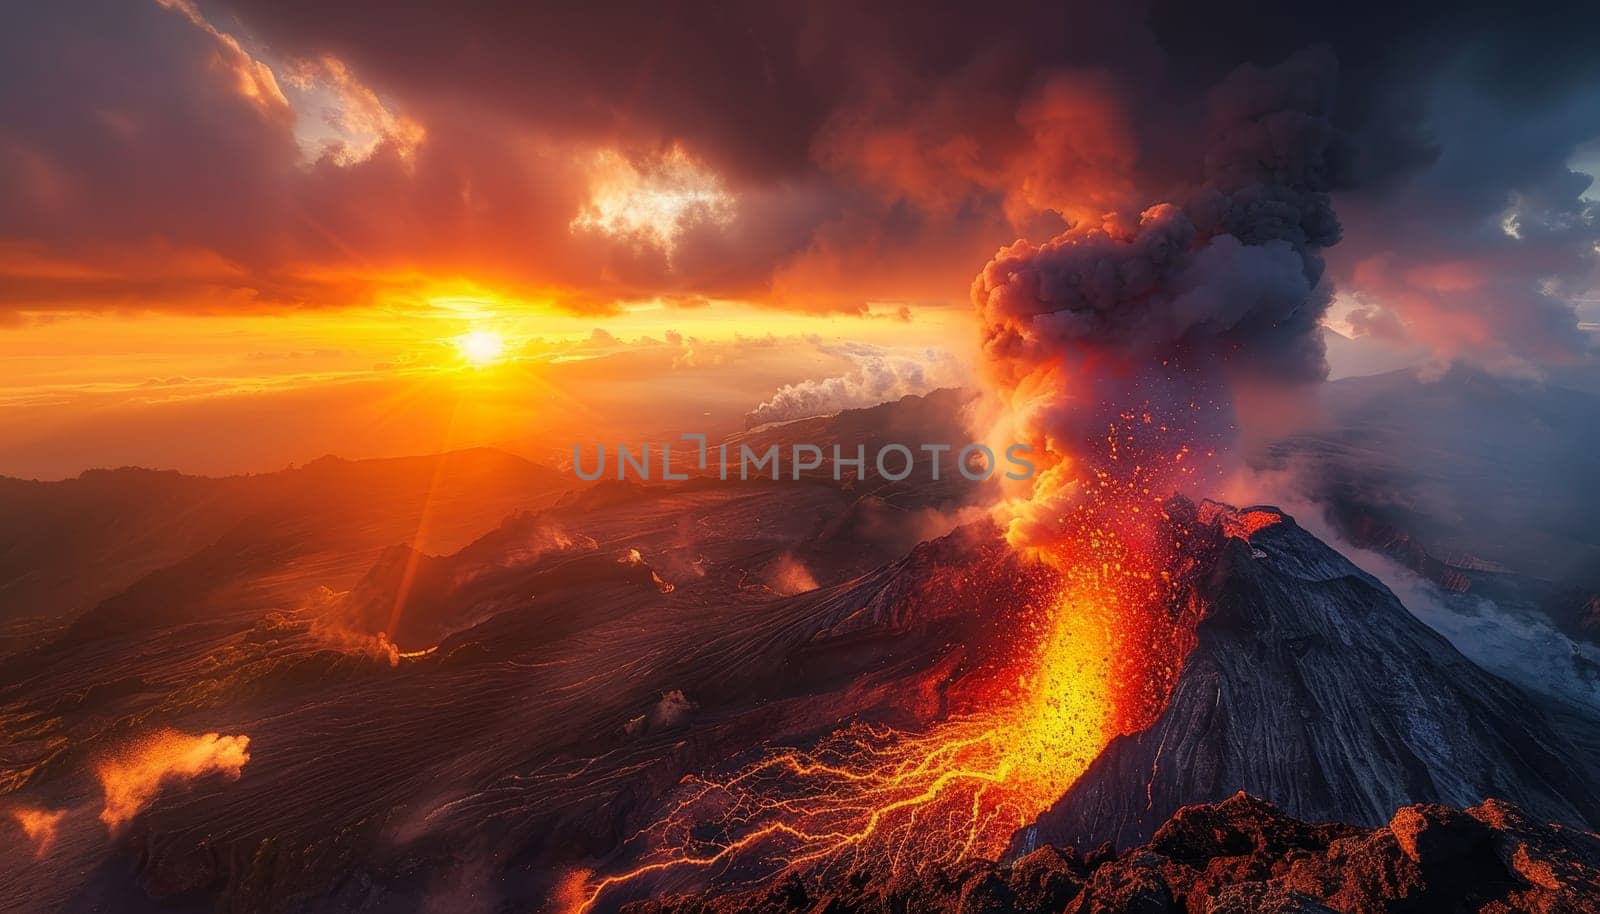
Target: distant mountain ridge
[1467,463]
[125,523]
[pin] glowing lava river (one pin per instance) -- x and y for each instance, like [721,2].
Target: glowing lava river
[1098,658]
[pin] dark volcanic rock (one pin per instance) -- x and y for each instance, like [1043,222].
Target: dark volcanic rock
[1312,686]
[1241,856]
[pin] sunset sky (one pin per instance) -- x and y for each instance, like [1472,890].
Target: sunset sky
[239,234]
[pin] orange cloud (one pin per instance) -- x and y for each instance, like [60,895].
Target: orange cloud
[252,79]
[247,176]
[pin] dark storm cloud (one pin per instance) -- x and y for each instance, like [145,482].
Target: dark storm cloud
[149,161]
[1468,232]
[1480,255]
[748,85]
[869,152]
[871,147]
[152,158]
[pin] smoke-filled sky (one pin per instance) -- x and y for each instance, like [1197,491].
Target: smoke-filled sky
[238,233]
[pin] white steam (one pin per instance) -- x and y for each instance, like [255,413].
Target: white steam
[878,375]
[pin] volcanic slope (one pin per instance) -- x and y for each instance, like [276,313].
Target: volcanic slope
[1312,686]
[574,691]
[596,652]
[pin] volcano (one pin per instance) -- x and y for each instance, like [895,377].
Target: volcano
[1308,684]
[1312,686]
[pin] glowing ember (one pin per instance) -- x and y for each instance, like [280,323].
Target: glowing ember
[1097,661]
[40,825]
[133,779]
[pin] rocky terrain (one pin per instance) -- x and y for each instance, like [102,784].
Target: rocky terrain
[267,723]
[1240,856]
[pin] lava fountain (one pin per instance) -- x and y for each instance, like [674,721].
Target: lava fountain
[1095,658]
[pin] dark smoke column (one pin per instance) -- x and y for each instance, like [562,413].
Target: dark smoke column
[1151,324]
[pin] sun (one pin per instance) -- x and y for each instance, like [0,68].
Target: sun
[481,348]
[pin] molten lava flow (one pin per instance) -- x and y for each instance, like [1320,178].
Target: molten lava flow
[1238,524]
[1097,661]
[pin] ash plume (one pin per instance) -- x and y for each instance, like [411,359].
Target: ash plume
[1156,320]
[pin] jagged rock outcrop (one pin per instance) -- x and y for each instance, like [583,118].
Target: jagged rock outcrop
[1312,686]
[1240,856]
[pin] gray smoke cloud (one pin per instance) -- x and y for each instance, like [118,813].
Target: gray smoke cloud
[1230,273]
[1170,312]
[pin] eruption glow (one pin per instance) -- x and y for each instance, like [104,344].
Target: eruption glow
[1113,351]
[1096,658]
